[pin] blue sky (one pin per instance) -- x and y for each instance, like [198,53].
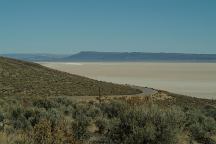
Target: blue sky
[69,26]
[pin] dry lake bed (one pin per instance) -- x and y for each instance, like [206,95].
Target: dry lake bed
[192,79]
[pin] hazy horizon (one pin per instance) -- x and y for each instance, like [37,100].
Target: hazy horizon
[50,53]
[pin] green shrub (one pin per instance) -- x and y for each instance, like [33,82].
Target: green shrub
[54,116]
[22,123]
[68,110]
[102,125]
[93,112]
[45,103]
[80,127]
[64,101]
[151,125]
[19,120]
[79,109]
[113,109]
[1,117]
[209,111]
[200,126]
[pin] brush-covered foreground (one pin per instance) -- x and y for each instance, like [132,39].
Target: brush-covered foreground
[134,120]
[37,107]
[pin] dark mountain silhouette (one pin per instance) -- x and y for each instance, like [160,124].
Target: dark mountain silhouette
[117,56]
[139,56]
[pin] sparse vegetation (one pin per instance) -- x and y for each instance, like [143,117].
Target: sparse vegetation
[31,118]
[110,121]
[29,79]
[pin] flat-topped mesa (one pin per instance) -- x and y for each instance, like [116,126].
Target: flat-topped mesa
[139,56]
[30,79]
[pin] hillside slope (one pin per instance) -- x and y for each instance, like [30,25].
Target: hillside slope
[30,79]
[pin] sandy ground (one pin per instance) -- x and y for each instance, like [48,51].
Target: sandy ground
[193,79]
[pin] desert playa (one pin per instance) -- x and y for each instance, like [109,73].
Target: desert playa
[192,79]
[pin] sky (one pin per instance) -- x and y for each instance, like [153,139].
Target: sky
[70,26]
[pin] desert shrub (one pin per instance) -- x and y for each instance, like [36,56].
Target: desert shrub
[93,112]
[79,109]
[88,110]
[16,112]
[27,118]
[19,120]
[52,133]
[36,115]
[151,125]
[113,109]
[102,125]
[29,113]
[42,133]
[80,127]
[68,110]
[64,101]
[1,117]
[58,133]
[32,115]
[22,123]
[45,103]
[209,111]
[200,126]
[54,116]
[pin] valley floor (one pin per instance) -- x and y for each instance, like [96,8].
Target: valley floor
[192,79]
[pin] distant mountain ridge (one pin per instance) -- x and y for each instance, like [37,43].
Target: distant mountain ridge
[139,56]
[93,56]
[35,57]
